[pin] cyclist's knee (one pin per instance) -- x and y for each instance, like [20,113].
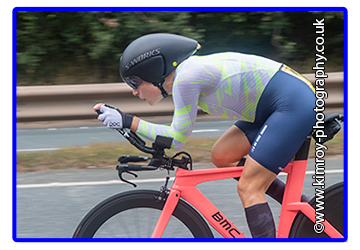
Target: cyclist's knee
[218,157]
[248,195]
[221,157]
[243,190]
[226,155]
[231,147]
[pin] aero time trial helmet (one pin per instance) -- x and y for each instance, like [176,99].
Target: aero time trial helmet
[153,57]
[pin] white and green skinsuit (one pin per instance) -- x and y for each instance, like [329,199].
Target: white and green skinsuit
[225,84]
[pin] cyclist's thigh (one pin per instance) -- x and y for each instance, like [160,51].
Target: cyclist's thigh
[230,148]
[249,129]
[289,123]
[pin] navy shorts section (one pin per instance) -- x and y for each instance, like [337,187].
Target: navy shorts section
[284,118]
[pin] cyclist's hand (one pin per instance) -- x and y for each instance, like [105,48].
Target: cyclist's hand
[97,107]
[113,118]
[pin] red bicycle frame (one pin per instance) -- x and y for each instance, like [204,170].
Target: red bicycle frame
[184,187]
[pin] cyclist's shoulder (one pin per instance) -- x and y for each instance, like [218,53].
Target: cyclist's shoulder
[196,69]
[192,63]
[224,60]
[207,62]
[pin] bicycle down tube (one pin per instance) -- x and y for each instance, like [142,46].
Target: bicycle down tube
[185,187]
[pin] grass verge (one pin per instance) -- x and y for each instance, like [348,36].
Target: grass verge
[105,155]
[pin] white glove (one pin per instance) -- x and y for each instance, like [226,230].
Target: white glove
[111,117]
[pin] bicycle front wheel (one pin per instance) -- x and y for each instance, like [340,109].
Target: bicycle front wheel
[134,214]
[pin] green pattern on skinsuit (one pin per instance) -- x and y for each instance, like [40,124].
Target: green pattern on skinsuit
[228,85]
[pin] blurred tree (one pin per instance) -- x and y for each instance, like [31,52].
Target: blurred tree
[59,47]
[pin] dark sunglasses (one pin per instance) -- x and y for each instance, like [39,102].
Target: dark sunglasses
[133,81]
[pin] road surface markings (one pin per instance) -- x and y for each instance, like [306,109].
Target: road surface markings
[87,183]
[205,130]
[36,149]
[111,182]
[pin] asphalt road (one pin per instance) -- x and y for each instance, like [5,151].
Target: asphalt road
[51,204]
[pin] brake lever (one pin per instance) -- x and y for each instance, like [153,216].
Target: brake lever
[126,181]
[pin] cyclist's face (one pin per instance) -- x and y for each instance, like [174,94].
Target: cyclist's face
[148,92]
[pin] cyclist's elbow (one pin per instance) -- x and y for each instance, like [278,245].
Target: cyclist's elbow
[177,145]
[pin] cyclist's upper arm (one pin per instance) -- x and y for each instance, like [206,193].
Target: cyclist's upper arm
[185,95]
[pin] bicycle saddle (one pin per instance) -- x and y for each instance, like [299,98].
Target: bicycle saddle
[331,126]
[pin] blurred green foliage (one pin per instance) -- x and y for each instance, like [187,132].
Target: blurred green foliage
[74,47]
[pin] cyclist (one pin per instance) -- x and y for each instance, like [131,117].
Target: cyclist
[273,106]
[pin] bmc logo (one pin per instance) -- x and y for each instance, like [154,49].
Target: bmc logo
[225,224]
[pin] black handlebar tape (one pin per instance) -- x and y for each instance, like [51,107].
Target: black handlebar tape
[130,158]
[133,167]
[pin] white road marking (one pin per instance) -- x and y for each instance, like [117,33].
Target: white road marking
[37,149]
[111,182]
[87,183]
[205,130]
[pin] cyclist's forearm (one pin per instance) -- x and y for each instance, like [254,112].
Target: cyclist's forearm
[150,131]
[135,124]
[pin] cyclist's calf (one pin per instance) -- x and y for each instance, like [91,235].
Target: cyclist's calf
[254,182]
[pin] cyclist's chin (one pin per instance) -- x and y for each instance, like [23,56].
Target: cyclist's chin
[154,101]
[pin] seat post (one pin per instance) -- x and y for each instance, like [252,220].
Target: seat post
[303,152]
[293,190]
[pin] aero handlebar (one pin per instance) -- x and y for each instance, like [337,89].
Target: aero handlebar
[158,159]
[134,139]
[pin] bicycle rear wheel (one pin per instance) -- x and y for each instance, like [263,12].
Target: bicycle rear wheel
[134,215]
[333,205]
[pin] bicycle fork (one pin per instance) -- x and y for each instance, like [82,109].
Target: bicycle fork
[168,209]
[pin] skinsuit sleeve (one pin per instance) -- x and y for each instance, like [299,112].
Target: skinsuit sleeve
[187,88]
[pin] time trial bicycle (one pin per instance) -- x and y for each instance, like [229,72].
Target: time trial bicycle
[182,210]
